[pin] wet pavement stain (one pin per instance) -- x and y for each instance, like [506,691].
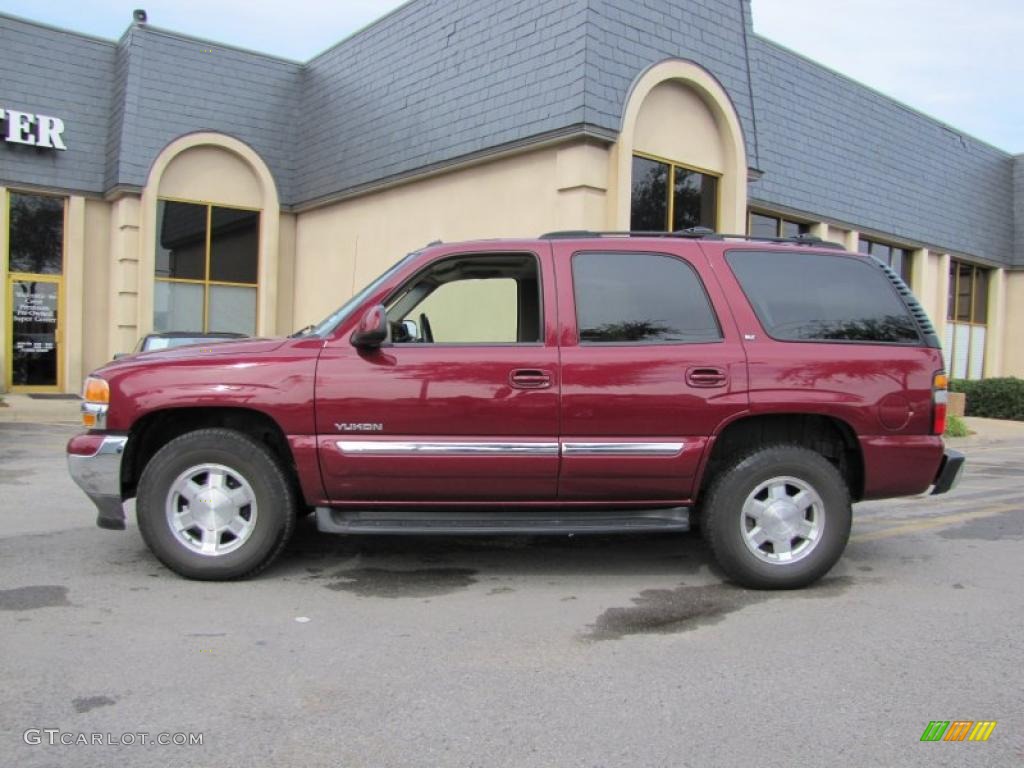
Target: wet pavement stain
[92,702]
[669,611]
[14,476]
[31,598]
[423,582]
[1008,526]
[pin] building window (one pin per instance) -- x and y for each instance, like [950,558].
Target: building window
[967,316]
[896,257]
[668,197]
[207,261]
[766,225]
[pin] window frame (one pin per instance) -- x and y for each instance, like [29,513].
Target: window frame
[834,254]
[955,266]
[415,276]
[866,246]
[207,283]
[670,186]
[9,278]
[580,342]
[780,222]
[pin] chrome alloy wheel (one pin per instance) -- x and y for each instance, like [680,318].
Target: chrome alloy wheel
[782,520]
[211,509]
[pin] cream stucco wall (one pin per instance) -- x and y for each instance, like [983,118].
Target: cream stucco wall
[211,174]
[676,124]
[342,247]
[95,284]
[74,293]
[1012,321]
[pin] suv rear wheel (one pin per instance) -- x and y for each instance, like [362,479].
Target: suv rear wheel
[778,518]
[215,504]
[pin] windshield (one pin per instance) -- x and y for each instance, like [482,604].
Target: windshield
[337,317]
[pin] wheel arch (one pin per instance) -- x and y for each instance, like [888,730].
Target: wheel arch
[154,430]
[832,437]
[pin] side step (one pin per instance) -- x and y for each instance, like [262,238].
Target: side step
[467,523]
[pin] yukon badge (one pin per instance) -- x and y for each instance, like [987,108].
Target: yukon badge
[346,427]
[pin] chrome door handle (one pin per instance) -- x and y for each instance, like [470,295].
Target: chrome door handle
[529,378]
[706,377]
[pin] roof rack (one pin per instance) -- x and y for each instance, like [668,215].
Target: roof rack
[694,233]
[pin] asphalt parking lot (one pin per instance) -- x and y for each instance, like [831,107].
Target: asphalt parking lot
[586,651]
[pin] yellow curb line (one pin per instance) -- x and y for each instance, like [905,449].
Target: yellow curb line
[937,522]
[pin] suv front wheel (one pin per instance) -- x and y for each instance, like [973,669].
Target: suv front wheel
[778,518]
[215,504]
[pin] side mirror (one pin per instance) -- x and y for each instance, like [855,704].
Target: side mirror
[372,330]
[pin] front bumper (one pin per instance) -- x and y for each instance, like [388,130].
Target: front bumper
[94,462]
[950,470]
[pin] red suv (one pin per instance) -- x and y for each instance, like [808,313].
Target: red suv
[579,382]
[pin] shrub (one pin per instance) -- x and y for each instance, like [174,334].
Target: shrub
[993,398]
[956,427]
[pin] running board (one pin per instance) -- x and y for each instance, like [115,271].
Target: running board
[451,522]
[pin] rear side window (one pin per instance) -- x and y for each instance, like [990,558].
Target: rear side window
[818,297]
[650,298]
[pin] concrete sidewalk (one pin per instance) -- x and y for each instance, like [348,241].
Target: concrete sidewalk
[22,408]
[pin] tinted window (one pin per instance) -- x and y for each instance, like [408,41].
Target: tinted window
[763,226]
[234,245]
[36,236]
[181,240]
[818,297]
[640,297]
[650,195]
[695,201]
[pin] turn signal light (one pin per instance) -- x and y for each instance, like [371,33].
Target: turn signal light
[96,391]
[940,398]
[96,397]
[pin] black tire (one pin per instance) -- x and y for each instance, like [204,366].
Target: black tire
[272,512]
[727,528]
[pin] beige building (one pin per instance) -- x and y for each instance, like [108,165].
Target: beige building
[212,238]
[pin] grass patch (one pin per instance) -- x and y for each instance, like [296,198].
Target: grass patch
[956,427]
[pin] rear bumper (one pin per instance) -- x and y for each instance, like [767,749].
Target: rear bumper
[94,462]
[950,470]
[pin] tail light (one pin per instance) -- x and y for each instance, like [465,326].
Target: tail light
[940,397]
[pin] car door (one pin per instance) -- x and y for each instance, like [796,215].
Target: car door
[461,404]
[652,365]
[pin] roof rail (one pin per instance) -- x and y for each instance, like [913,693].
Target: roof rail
[694,233]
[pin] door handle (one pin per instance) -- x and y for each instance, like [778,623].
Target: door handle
[706,377]
[530,378]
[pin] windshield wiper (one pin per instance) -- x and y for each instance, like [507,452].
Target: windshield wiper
[301,332]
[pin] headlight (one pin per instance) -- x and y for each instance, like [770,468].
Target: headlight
[95,402]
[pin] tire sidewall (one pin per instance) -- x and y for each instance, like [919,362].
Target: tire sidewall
[244,457]
[723,521]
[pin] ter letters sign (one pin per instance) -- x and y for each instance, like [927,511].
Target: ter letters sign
[40,131]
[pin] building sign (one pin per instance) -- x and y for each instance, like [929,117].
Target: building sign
[34,333]
[40,131]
